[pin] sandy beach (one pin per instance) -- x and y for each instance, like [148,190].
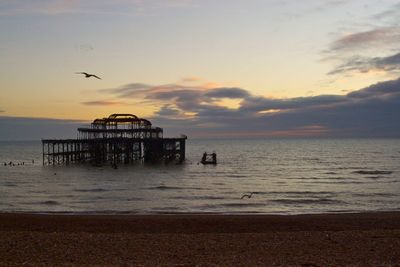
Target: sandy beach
[368,239]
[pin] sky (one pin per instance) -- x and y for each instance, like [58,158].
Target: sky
[206,68]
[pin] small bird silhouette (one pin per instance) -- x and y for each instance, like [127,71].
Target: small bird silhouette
[247,195]
[88,75]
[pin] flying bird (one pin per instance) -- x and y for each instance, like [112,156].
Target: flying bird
[88,75]
[247,195]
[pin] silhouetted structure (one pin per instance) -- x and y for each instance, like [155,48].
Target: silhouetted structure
[120,138]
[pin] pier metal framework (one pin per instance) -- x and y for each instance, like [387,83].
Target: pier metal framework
[120,138]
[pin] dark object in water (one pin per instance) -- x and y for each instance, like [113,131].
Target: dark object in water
[209,158]
[114,166]
[373,172]
[97,164]
[247,195]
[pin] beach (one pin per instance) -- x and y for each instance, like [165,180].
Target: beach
[364,239]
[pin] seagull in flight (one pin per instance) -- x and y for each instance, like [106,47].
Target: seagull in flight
[247,195]
[88,75]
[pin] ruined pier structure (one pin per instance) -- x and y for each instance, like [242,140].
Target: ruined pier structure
[120,138]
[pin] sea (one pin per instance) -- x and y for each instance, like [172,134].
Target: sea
[286,176]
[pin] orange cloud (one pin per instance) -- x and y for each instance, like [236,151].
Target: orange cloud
[104,103]
[191,79]
[269,111]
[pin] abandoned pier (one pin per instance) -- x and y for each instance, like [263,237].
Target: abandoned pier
[120,138]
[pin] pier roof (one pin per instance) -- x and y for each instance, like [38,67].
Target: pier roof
[114,119]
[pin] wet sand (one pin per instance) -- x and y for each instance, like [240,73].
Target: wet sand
[368,239]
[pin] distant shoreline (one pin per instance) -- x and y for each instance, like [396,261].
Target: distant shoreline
[195,221]
[361,239]
[167,213]
[218,138]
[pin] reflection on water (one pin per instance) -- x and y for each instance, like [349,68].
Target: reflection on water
[287,176]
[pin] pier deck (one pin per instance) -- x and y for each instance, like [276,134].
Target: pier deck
[121,138]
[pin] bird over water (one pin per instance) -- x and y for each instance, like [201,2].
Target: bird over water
[247,195]
[88,75]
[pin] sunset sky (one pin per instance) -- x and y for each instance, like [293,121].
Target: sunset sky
[202,67]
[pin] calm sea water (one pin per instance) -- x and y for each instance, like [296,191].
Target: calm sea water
[287,176]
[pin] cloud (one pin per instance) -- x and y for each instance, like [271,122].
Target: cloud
[381,37]
[84,48]
[104,103]
[336,2]
[197,111]
[373,48]
[191,79]
[200,111]
[257,104]
[10,7]
[390,14]
[365,51]
[25,128]
[56,7]
[227,93]
[377,91]
[169,112]
[361,64]
[128,89]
